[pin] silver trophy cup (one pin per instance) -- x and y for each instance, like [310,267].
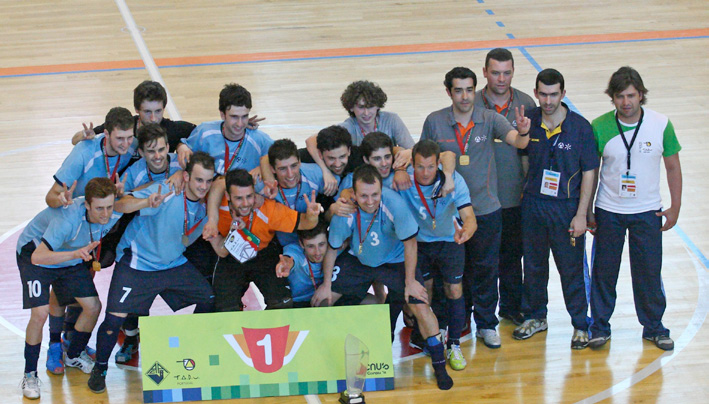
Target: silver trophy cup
[356,362]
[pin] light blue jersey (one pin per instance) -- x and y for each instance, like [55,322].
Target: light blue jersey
[153,239]
[65,229]
[207,137]
[446,208]
[300,278]
[347,183]
[311,180]
[87,161]
[393,223]
[138,173]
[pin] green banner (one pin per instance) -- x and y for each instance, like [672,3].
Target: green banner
[260,353]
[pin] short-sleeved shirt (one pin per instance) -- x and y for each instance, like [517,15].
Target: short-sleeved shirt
[510,175]
[208,137]
[388,123]
[87,160]
[65,229]
[445,208]
[311,179]
[393,224]
[271,217]
[570,153]
[481,173]
[138,173]
[176,130]
[300,278]
[153,239]
[656,139]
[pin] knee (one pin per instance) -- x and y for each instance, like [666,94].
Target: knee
[454,290]
[38,315]
[91,306]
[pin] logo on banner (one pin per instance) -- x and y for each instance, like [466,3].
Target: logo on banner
[266,349]
[188,364]
[157,373]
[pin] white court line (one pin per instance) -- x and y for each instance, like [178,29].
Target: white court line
[150,65]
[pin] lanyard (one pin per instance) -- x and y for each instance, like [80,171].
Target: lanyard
[97,250]
[423,201]
[506,109]
[166,172]
[185,231]
[251,219]
[228,162]
[285,200]
[112,176]
[629,146]
[361,129]
[459,137]
[359,227]
[312,275]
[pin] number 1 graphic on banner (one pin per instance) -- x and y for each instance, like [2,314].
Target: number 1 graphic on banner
[266,343]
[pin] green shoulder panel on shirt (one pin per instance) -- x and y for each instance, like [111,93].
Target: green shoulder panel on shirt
[604,129]
[670,144]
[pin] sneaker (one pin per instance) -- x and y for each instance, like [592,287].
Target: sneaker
[579,340]
[516,319]
[83,362]
[490,337]
[456,360]
[30,386]
[97,381]
[663,342]
[529,328]
[66,342]
[597,342]
[125,353]
[55,364]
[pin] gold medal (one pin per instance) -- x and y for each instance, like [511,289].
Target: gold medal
[96,266]
[434,224]
[360,248]
[464,160]
[185,240]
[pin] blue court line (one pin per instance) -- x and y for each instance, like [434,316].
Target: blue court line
[499,24]
[510,36]
[693,247]
[490,12]
[362,56]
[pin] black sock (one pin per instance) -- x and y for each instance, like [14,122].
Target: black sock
[78,343]
[31,357]
[106,338]
[55,328]
[438,360]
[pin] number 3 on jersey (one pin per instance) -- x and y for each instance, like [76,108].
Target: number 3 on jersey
[375,239]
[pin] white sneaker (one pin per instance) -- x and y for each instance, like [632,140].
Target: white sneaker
[456,360]
[30,385]
[83,362]
[490,337]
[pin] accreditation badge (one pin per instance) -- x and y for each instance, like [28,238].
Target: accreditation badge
[242,244]
[550,183]
[627,188]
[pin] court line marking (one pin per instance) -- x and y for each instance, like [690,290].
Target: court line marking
[335,53]
[148,60]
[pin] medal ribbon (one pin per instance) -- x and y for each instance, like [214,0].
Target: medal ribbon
[423,201]
[461,142]
[629,146]
[359,226]
[112,176]
[228,162]
[312,275]
[376,124]
[297,193]
[185,231]
[97,251]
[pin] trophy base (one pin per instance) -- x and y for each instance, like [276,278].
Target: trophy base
[346,399]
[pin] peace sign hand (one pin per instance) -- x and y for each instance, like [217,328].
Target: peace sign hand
[65,196]
[314,208]
[155,199]
[84,253]
[120,185]
[285,263]
[523,123]
[88,131]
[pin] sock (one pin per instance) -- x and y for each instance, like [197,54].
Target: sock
[55,328]
[456,316]
[105,341]
[438,360]
[72,314]
[31,357]
[78,343]
[131,332]
[130,340]
[131,323]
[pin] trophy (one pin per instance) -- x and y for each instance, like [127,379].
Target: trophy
[356,362]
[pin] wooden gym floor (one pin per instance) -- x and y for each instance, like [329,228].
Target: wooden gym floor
[64,63]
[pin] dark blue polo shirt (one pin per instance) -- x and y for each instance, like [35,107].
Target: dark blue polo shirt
[570,152]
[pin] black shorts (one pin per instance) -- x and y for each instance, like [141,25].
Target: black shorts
[133,291]
[67,282]
[446,258]
[231,280]
[353,279]
[202,256]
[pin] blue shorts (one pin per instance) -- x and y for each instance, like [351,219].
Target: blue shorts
[68,282]
[446,257]
[352,278]
[133,291]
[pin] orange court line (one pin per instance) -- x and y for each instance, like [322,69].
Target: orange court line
[361,51]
